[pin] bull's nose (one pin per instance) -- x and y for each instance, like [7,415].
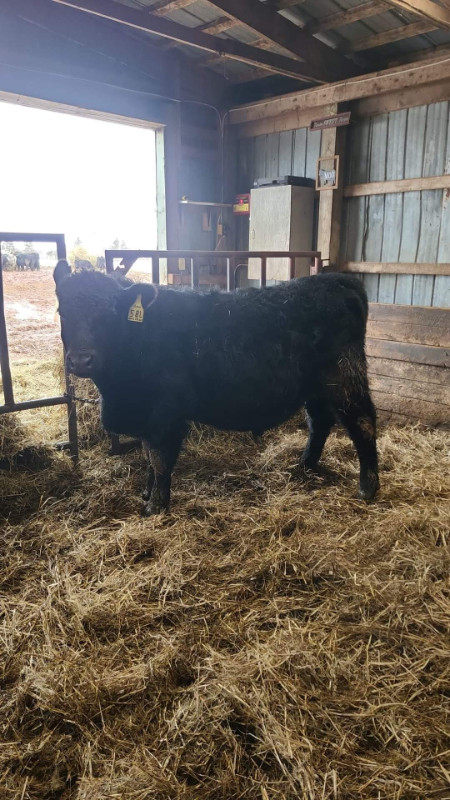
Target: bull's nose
[80,363]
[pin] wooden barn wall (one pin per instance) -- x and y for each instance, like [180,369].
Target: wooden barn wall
[293,152]
[409,227]
[408,360]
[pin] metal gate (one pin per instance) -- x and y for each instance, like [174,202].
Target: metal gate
[67,398]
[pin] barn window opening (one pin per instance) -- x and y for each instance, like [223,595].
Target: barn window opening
[94,181]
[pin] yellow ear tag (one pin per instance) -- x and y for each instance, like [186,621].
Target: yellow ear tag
[136,312]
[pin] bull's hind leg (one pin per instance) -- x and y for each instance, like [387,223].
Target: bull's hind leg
[320,420]
[357,413]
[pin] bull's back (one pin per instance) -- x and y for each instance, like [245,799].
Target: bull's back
[258,355]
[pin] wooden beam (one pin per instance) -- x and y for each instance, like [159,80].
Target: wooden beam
[392,35]
[286,34]
[406,185]
[217,25]
[403,98]
[404,351]
[332,21]
[166,6]
[279,5]
[421,55]
[288,122]
[375,83]
[439,15]
[108,9]
[246,77]
[395,268]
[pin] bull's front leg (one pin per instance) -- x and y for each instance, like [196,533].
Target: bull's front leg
[162,460]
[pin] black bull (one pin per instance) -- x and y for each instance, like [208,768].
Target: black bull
[243,361]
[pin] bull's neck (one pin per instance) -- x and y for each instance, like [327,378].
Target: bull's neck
[113,382]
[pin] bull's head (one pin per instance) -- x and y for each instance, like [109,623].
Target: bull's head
[95,316]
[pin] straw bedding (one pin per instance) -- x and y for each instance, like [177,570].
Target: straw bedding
[272,637]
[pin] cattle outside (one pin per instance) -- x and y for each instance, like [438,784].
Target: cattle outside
[244,361]
[7,261]
[83,263]
[27,261]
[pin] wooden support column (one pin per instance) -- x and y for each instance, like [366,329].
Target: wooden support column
[330,200]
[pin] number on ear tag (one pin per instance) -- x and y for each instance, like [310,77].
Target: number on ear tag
[136,312]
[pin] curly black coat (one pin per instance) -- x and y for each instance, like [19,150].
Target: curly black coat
[242,361]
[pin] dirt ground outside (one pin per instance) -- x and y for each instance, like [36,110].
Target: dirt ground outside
[30,308]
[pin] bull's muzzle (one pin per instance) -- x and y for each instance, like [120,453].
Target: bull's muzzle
[81,364]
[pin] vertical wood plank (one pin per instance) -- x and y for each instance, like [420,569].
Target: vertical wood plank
[444,239]
[403,290]
[441,293]
[435,139]
[355,207]
[260,156]
[377,172]
[415,138]
[313,144]
[272,155]
[286,153]
[358,169]
[355,226]
[393,207]
[371,286]
[422,290]
[299,161]
[433,164]
[386,288]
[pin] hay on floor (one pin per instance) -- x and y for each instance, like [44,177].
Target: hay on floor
[269,639]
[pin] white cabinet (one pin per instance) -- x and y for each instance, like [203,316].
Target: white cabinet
[281,218]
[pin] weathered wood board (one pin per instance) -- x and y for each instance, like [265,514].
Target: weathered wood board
[407,227]
[408,352]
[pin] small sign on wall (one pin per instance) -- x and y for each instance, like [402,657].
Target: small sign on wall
[327,173]
[331,122]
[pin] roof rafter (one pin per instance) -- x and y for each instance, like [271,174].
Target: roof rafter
[239,51]
[166,6]
[284,33]
[218,25]
[426,9]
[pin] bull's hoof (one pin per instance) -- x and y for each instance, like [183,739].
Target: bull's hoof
[146,495]
[157,504]
[309,465]
[369,487]
[150,509]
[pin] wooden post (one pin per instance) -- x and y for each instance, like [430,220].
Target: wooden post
[330,203]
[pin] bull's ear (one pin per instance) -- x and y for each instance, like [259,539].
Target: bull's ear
[62,270]
[136,299]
